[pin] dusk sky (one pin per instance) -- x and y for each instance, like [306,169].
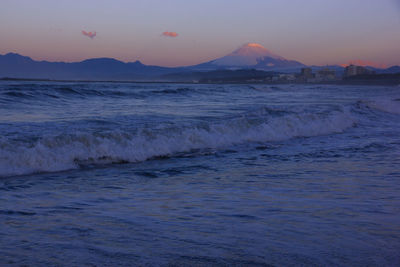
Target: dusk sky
[183,32]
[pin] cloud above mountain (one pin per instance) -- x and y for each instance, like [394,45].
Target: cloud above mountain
[170,34]
[91,35]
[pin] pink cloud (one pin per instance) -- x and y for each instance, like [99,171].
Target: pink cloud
[91,35]
[365,63]
[170,34]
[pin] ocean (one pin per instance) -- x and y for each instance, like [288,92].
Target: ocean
[163,174]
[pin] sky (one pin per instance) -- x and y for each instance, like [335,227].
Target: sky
[187,32]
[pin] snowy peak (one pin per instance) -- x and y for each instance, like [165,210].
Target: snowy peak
[255,50]
[247,55]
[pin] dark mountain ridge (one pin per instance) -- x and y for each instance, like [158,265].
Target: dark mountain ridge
[13,65]
[17,66]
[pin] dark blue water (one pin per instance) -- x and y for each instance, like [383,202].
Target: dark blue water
[108,174]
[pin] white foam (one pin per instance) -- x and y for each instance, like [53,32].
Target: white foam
[58,153]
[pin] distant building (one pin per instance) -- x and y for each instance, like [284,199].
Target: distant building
[287,77]
[306,73]
[325,75]
[353,70]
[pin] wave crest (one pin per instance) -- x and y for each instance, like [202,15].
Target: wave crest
[70,151]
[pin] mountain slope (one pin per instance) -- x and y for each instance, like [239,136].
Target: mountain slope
[251,55]
[247,55]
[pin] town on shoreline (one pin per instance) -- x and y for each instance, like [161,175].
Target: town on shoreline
[352,75]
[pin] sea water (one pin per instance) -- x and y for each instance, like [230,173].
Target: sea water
[124,174]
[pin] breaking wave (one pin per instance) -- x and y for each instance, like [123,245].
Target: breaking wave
[71,151]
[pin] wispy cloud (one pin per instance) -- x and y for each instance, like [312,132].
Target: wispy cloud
[91,35]
[170,34]
[365,63]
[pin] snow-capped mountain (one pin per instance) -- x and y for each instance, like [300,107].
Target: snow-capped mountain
[255,56]
[247,55]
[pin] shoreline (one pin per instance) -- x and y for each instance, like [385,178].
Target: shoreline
[341,82]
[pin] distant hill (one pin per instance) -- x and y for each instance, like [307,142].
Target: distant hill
[393,69]
[17,66]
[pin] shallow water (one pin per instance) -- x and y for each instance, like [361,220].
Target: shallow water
[178,174]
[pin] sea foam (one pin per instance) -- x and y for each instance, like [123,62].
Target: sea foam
[70,151]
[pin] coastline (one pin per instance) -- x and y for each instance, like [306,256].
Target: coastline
[363,82]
